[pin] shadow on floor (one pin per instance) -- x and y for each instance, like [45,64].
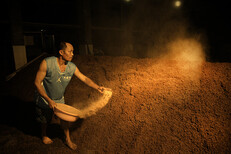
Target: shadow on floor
[16,113]
[21,115]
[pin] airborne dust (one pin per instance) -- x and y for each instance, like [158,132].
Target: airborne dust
[94,106]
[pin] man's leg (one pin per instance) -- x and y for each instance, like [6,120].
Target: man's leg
[43,116]
[65,126]
[45,139]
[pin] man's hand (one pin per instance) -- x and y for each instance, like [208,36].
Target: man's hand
[52,104]
[103,89]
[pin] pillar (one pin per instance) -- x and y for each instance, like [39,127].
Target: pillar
[17,37]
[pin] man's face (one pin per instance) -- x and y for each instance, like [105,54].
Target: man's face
[67,54]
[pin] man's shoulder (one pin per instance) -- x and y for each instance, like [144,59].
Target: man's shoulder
[50,58]
[50,62]
[71,67]
[71,64]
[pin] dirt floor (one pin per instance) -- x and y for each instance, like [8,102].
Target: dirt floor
[157,106]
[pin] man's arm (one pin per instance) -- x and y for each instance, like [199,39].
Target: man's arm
[38,83]
[87,81]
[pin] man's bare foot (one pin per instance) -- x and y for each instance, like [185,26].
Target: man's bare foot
[47,140]
[71,145]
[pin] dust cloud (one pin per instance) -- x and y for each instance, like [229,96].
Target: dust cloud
[157,29]
[185,49]
[94,106]
[188,54]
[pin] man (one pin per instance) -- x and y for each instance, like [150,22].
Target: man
[51,80]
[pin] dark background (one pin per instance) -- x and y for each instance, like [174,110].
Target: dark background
[116,27]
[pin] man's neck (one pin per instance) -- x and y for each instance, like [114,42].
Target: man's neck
[61,61]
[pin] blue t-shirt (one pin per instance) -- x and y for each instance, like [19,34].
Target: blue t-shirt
[55,81]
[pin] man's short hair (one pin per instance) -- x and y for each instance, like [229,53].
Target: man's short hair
[62,45]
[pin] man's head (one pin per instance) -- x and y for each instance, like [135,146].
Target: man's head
[66,51]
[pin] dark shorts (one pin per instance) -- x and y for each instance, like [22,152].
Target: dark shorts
[43,115]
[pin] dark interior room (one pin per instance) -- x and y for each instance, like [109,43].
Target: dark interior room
[115,76]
